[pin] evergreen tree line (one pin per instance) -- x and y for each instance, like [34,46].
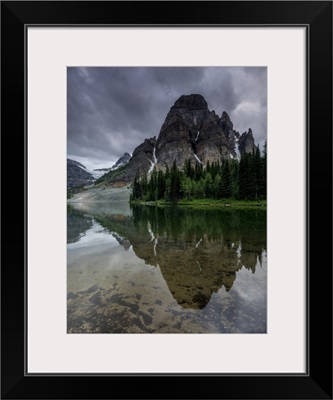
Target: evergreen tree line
[243,179]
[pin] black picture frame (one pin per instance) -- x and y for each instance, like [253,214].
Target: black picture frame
[317,382]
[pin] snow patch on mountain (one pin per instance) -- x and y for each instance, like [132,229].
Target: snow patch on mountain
[197,158]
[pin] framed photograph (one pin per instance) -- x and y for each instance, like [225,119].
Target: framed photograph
[171,169]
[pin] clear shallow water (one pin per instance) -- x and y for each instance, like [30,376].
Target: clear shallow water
[165,270]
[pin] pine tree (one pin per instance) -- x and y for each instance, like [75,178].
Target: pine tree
[264,171]
[144,187]
[234,176]
[257,173]
[209,190]
[160,185]
[225,190]
[198,172]
[152,186]
[244,177]
[188,169]
[137,190]
[175,186]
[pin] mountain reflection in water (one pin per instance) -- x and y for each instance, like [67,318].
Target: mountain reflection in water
[200,253]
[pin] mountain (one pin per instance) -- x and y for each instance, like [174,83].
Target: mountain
[77,174]
[140,162]
[151,234]
[246,142]
[122,161]
[190,132]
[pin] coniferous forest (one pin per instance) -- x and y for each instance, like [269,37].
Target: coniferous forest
[243,179]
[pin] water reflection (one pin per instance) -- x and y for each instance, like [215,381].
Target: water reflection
[77,224]
[202,255]
[198,252]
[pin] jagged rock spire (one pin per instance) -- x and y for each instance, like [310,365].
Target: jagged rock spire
[190,132]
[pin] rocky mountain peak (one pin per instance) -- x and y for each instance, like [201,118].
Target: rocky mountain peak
[191,102]
[123,160]
[128,167]
[190,132]
[226,121]
[246,142]
[146,147]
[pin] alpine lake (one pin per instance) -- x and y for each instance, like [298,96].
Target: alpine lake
[170,269]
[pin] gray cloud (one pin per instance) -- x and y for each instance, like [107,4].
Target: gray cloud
[112,110]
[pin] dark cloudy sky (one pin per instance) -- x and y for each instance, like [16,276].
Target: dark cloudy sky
[111,110]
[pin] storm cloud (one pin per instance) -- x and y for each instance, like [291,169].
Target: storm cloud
[111,110]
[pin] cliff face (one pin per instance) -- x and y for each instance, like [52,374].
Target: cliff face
[190,132]
[246,142]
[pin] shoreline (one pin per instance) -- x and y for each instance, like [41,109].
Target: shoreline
[205,204]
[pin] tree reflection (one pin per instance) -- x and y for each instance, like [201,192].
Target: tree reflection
[197,251]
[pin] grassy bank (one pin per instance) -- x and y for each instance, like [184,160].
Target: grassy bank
[207,203]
